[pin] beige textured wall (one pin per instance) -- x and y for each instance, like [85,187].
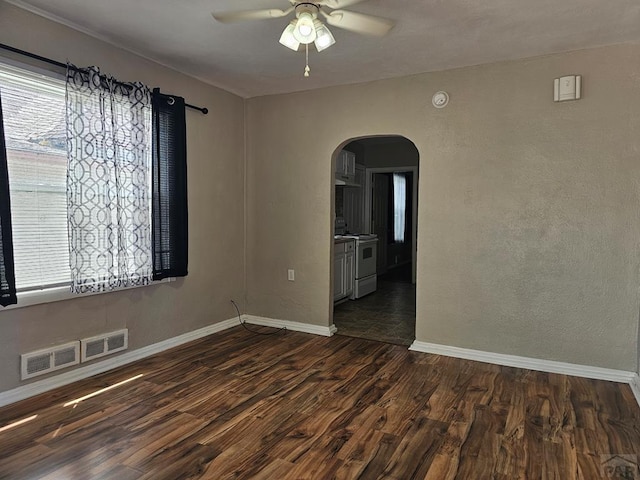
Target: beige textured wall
[528,216]
[216,209]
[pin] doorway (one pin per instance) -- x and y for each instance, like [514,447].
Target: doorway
[382,202]
[391,212]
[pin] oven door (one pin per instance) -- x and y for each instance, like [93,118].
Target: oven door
[366,261]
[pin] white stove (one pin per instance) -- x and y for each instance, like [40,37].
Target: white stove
[366,278]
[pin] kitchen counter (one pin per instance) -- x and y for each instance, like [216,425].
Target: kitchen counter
[337,239]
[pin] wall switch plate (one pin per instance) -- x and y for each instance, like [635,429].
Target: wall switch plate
[567,88]
[291,275]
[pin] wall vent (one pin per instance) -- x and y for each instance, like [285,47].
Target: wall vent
[105,344]
[44,361]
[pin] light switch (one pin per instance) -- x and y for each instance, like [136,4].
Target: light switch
[291,275]
[567,88]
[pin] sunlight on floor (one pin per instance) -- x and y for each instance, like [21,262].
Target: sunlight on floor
[18,423]
[98,392]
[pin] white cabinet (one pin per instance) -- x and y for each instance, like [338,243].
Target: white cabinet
[346,166]
[361,173]
[349,272]
[353,203]
[338,274]
[343,270]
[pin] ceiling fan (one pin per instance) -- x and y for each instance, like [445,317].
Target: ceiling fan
[307,28]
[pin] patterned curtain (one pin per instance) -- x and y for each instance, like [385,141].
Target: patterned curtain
[7,271]
[108,181]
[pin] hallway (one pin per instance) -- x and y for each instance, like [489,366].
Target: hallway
[388,315]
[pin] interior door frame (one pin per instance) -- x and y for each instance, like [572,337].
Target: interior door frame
[369,172]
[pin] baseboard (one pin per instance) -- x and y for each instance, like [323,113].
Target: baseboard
[550,366]
[290,325]
[635,387]
[41,386]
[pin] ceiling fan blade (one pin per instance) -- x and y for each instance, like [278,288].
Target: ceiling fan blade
[359,22]
[335,4]
[232,17]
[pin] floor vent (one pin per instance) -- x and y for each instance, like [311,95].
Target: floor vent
[44,361]
[105,344]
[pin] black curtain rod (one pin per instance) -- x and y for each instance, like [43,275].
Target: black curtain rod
[50,61]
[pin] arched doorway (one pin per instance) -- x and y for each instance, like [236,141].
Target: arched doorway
[375,238]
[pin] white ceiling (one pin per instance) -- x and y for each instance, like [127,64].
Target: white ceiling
[430,35]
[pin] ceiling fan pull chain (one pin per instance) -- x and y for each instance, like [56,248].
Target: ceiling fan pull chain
[306,68]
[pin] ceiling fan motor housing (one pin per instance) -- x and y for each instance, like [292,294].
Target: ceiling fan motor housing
[307,7]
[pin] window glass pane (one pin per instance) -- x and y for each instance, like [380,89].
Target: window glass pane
[35,134]
[399,206]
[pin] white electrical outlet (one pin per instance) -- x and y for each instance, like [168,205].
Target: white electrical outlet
[291,275]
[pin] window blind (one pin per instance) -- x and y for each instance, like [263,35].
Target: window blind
[35,135]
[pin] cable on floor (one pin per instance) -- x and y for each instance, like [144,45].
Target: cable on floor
[282,330]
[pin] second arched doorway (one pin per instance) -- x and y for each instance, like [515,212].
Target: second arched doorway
[376,202]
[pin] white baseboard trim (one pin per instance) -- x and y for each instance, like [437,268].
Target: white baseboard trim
[41,386]
[550,366]
[290,325]
[635,387]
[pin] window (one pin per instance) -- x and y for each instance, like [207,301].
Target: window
[35,136]
[83,186]
[399,207]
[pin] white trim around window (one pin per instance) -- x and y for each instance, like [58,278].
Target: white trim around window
[57,294]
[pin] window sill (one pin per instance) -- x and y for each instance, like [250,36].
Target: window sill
[56,294]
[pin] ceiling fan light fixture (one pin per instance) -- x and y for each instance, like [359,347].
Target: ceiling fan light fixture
[288,38]
[305,30]
[324,38]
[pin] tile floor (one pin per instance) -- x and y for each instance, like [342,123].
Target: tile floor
[387,315]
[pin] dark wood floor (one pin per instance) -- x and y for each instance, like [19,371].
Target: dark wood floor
[235,405]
